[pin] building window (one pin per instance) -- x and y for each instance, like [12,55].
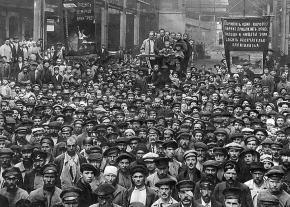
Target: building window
[13,26]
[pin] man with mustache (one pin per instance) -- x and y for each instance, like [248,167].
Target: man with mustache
[11,191]
[205,190]
[230,175]
[88,172]
[185,194]
[48,193]
[274,190]
[162,171]
[165,187]
[221,136]
[190,172]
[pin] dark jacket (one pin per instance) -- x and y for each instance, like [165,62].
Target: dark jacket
[151,196]
[57,81]
[246,199]
[184,175]
[4,201]
[120,196]
[86,196]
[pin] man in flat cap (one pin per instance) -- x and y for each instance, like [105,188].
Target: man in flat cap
[169,147]
[88,172]
[185,193]
[140,192]
[26,164]
[206,187]
[210,169]
[10,190]
[190,172]
[95,159]
[5,162]
[258,183]
[232,197]
[48,193]
[148,159]
[165,187]
[274,190]
[162,171]
[123,162]
[70,197]
[33,179]
[230,175]
[105,196]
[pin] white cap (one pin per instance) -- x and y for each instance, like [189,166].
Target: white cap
[111,170]
[270,121]
[150,156]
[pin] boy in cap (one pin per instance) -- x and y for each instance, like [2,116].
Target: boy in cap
[48,192]
[88,173]
[11,191]
[232,197]
[165,187]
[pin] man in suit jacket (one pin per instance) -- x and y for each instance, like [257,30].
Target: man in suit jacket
[57,78]
[68,164]
[35,74]
[230,175]
[140,192]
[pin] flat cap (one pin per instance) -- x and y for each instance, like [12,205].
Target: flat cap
[185,184]
[150,157]
[49,168]
[70,194]
[232,193]
[165,181]
[189,153]
[88,167]
[105,189]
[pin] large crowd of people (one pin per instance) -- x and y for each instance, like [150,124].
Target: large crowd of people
[153,130]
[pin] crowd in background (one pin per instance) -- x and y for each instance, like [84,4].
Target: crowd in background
[153,130]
